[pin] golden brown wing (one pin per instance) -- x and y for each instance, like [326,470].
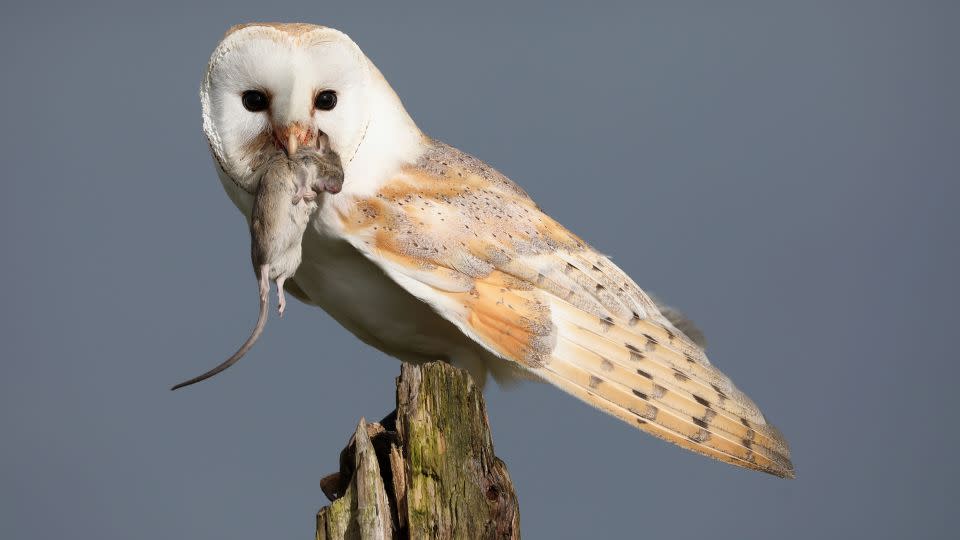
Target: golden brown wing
[467,241]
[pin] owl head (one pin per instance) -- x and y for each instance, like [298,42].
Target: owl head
[272,88]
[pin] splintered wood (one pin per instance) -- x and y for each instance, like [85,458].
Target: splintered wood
[428,471]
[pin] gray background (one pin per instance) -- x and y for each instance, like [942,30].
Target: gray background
[784,172]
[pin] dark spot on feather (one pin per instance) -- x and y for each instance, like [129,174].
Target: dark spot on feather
[680,376]
[700,436]
[651,342]
[640,394]
[719,391]
[635,319]
[635,353]
[569,268]
[649,414]
[607,322]
[595,269]
[599,287]
[670,334]
[689,358]
[748,443]
[641,421]
[744,422]
[595,381]
[701,401]
[643,373]
[699,422]
[606,364]
[750,434]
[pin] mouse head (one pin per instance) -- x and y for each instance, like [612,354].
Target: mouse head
[321,171]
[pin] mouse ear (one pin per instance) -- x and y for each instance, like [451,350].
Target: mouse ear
[323,143]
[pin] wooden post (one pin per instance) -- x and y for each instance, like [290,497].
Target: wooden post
[427,472]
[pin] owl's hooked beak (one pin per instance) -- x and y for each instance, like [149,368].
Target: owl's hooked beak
[293,136]
[291,144]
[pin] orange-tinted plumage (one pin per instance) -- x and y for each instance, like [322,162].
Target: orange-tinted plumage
[516,281]
[429,253]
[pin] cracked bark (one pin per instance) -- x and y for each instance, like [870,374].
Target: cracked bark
[428,471]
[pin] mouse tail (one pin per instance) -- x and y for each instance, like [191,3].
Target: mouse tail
[247,345]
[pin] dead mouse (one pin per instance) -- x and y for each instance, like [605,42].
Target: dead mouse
[285,200]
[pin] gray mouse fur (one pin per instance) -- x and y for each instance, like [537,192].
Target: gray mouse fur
[285,200]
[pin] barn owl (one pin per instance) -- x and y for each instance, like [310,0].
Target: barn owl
[428,253]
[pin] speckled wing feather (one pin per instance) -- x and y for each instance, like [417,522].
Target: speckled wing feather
[467,241]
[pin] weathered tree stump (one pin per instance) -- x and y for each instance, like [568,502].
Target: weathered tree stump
[427,471]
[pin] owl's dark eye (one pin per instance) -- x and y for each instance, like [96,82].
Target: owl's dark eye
[255,101]
[325,100]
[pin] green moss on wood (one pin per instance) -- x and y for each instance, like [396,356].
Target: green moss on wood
[444,479]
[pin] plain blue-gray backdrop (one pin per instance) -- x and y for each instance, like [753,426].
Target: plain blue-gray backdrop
[785,172]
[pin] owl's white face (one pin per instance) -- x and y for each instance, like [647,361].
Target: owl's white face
[270,90]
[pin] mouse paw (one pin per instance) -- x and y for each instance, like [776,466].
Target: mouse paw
[304,194]
[281,302]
